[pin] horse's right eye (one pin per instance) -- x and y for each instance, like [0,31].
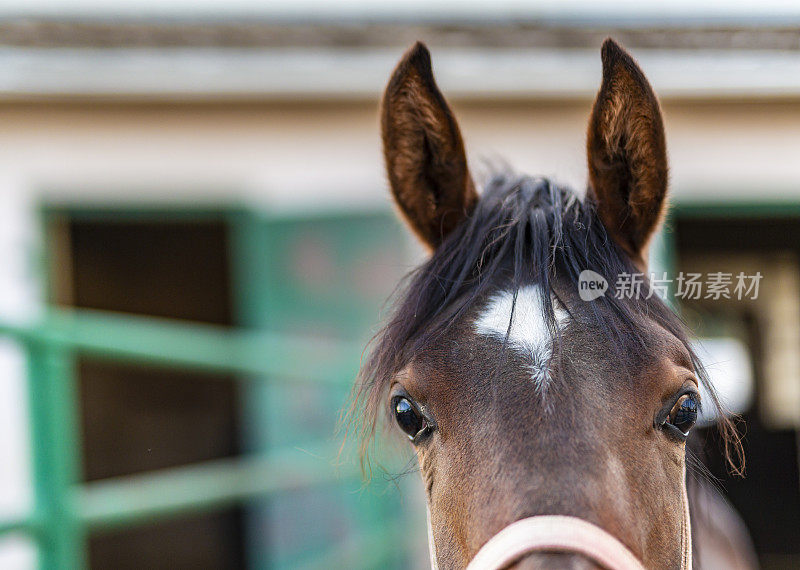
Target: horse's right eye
[679,419]
[684,413]
[408,417]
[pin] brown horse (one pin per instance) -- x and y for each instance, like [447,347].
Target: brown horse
[518,397]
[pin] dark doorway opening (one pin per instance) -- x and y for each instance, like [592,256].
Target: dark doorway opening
[137,418]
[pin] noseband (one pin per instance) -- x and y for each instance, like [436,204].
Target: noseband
[554,533]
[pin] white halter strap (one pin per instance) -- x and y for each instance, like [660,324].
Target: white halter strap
[686,528]
[558,534]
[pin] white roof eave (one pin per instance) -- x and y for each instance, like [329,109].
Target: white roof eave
[577,12]
[360,74]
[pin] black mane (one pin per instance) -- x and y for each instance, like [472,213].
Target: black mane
[523,230]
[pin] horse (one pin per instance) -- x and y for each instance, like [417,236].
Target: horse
[549,425]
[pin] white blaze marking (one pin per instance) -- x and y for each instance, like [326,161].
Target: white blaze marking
[529,333]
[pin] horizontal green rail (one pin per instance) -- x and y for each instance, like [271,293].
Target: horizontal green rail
[118,502]
[268,356]
[128,500]
[66,512]
[194,346]
[25,525]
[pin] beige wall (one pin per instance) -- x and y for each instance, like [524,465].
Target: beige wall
[328,155]
[718,150]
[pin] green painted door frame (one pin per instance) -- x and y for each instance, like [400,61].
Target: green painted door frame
[264,356]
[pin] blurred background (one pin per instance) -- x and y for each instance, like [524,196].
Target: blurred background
[197,241]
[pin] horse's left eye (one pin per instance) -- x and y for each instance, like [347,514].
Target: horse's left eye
[410,420]
[684,413]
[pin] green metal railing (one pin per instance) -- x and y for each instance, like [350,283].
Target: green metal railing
[66,510]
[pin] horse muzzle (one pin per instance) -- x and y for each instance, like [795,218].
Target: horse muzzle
[568,535]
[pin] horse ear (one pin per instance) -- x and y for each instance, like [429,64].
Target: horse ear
[627,154]
[424,153]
